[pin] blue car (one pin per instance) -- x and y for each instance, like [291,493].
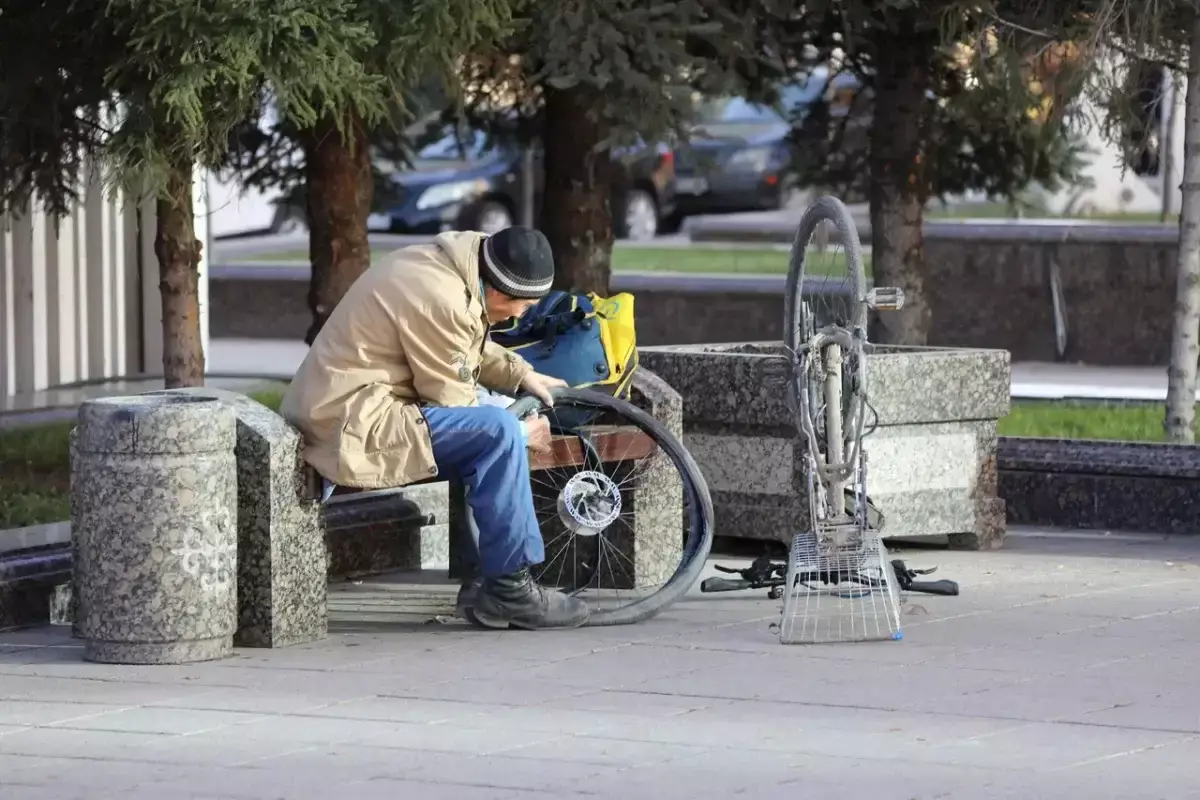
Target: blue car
[470,183]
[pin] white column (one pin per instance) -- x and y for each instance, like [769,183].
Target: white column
[200,220]
[118,266]
[98,289]
[152,327]
[7,353]
[83,311]
[63,254]
[28,267]
[131,276]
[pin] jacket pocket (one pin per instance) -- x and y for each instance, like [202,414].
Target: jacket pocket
[375,421]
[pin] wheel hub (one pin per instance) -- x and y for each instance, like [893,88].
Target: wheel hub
[589,503]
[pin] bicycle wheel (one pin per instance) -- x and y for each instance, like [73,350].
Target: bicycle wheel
[608,500]
[824,287]
[826,295]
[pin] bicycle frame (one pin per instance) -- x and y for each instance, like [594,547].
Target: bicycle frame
[831,471]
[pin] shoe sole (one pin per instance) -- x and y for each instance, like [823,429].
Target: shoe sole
[487,624]
[500,623]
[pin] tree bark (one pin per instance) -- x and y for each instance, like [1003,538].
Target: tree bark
[1180,422]
[178,253]
[339,193]
[576,212]
[898,185]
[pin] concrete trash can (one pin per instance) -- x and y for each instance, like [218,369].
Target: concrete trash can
[154,529]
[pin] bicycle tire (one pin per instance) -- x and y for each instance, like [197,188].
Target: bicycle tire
[823,209]
[699,544]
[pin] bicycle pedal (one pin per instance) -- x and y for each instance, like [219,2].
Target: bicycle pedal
[885,298]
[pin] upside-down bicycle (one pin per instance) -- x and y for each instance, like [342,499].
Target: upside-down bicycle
[838,583]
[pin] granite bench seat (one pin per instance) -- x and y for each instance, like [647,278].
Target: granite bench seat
[424,525]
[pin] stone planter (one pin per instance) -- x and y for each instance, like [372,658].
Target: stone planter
[931,458]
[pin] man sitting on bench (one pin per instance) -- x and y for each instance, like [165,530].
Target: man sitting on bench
[387,396]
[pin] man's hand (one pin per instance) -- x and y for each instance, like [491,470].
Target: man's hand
[539,386]
[539,433]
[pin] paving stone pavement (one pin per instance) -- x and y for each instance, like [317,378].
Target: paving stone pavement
[1065,669]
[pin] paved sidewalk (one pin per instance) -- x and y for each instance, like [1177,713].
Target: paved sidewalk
[1066,669]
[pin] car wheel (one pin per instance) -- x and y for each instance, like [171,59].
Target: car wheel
[492,217]
[641,216]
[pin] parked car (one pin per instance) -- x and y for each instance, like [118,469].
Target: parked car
[466,182]
[740,157]
[237,211]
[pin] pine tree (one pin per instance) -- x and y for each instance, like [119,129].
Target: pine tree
[587,78]
[418,48]
[152,89]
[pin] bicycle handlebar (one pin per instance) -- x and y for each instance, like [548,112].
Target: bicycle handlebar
[724,585]
[946,588]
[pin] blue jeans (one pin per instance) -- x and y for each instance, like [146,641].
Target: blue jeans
[484,448]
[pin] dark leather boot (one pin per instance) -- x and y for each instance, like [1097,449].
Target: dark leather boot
[516,600]
[466,596]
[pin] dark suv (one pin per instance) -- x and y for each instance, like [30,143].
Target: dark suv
[474,184]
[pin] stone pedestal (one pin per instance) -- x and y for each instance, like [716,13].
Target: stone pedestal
[281,541]
[931,458]
[154,529]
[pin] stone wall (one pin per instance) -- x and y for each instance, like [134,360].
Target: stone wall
[1099,294]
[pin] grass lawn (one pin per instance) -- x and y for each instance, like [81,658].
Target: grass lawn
[35,468]
[1131,422]
[697,260]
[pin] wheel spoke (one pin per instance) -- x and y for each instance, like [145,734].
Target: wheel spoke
[587,511]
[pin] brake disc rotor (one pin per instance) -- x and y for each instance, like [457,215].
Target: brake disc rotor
[589,503]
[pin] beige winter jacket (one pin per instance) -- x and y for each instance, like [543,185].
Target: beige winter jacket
[412,330]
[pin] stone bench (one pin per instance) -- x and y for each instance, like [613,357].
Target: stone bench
[1100,485]
[290,546]
[424,525]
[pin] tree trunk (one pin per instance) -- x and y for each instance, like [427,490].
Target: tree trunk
[178,253]
[1168,149]
[576,216]
[339,192]
[1180,422]
[898,186]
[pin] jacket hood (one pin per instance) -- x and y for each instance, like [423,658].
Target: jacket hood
[463,249]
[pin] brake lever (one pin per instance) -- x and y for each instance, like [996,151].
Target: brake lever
[905,575]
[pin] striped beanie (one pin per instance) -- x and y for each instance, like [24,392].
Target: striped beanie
[518,262]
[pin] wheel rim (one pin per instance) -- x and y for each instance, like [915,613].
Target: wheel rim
[641,217]
[830,275]
[586,510]
[494,219]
